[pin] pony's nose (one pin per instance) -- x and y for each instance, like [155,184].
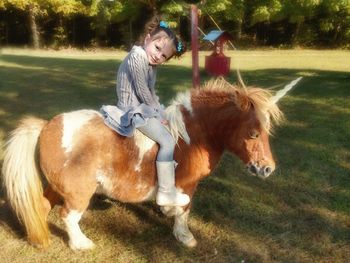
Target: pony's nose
[267,170]
[253,169]
[263,172]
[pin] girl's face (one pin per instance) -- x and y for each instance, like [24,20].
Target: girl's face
[158,50]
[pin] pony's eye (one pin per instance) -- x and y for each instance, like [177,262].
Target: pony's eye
[254,134]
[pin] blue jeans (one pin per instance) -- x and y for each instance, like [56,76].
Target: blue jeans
[157,132]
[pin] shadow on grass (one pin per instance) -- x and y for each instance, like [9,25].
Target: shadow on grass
[306,203]
[8,219]
[153,235]
[45,87]
[300,208]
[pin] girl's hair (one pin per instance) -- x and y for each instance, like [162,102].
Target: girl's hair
[158,29]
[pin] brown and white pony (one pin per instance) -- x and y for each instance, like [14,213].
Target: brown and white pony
[79,156]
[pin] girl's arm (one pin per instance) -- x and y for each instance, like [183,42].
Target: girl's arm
[138,68]
[152,87]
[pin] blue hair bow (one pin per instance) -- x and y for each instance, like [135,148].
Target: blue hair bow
[179,46]
[163,24]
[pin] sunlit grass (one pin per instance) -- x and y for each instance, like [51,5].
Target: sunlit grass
[300,214]
[331,60]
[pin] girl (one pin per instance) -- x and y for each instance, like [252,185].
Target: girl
[141,108]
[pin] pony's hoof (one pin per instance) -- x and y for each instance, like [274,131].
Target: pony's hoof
[83,244]
[187,240]
[191,243]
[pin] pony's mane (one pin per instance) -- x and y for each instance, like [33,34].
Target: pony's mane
[246,97]
[177,126]
[219,91]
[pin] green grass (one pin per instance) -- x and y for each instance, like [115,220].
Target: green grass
[300,214]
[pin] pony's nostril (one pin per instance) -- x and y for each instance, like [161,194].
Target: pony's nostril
[253,169]
[267,170]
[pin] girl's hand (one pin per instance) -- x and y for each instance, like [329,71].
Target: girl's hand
[165,122]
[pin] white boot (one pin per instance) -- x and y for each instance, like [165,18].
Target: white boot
[167,193]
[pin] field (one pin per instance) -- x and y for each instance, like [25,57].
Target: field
[299,214]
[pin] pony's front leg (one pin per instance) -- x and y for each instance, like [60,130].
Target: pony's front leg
[77,240]
[181,231]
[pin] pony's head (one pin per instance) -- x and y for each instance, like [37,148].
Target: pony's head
[250,141]
[225,117]
[244,119]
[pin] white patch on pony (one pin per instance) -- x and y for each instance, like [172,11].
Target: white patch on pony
[144,144]
[176,124]
[104,184]
[72,123]
[77,240]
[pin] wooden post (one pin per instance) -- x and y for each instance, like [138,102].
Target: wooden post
[194,46]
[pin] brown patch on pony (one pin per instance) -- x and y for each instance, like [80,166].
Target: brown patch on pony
[90,155]
[49,142]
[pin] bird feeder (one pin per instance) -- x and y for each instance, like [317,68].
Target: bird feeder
[217,64]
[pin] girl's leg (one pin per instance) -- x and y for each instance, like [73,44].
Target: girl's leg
[167,193]
[156,131]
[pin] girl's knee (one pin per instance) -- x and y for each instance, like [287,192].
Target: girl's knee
[167,147]
[169,141]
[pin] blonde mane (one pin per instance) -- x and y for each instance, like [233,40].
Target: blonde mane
[244,98]
[220,91]
[177,126]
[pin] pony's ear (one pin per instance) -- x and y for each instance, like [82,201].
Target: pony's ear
[244,103]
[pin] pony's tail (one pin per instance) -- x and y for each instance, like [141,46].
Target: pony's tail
[21,179]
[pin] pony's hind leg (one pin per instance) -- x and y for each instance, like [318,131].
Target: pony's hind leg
[52,197]
[75,203]
[77,239]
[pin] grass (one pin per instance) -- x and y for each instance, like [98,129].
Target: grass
[300,214]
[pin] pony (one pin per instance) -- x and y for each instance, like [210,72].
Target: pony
[79,156]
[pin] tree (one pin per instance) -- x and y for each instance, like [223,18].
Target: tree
[297,11]
[266,11]
[261,14]
[65,9]
[33,8]
[118,22]
[2,4]
[226,11]
[335,20]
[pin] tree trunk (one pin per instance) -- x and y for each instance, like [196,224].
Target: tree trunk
[295,39]
[74,32]
[131,42]
[336,35]
[7,32]
[5,29]
[33,27]
[239,30]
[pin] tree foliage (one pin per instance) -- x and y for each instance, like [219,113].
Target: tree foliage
[118,22]
[335,19]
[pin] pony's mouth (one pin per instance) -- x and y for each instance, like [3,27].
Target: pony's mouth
[260,171]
